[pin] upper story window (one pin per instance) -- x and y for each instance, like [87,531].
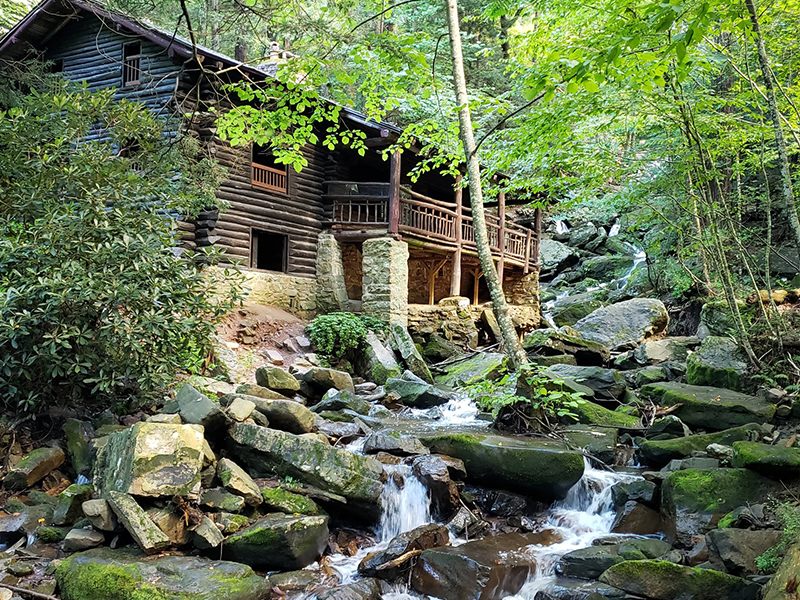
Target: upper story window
[131,63]
[266,173]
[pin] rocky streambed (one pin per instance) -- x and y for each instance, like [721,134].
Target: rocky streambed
[312,483]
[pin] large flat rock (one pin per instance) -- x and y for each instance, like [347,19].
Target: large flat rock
[709,407]
[542,468]
[626,324]
[660,452]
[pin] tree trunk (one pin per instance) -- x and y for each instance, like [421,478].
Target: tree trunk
[787,191]
[511,341]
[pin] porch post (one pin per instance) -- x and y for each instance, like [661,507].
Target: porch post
[455,279]
[394,193]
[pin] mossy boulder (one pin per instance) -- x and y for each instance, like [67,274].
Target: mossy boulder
[33,467]
[606,268]
[572,309]
[777,462]
[408,351]
[277,379]
[600,442]
[104,574]
[786,573]
[478,367]
[376,362]
[717,362]
[279,541]
[280,500]
[660,452]
[626,324]
[693,501]
[590,413]
[78,435]
[709,407]
[662,580]
[549,342]
[270,452]
[68,507]
[607,384]
[541,468]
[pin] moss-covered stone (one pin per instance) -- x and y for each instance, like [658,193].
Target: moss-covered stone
[279,541]
[662,580]
[550,341]
[786,573]
[693,501]
[660,452]
[709,407]
[33,467]
[69,503]
[280,500]
[103,574]
[777,462]
[593,414]
[479,367]
[717,362]
[545,469]
[51,535]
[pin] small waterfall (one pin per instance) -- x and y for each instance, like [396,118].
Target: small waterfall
[586,514]
[639,256]
[614,231]
[405,501]
[561,227]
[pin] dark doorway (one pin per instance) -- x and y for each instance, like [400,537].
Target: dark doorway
[268,250]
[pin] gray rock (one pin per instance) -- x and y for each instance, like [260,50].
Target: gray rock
[588,563]
[196,409]
[334,400]
[320,380]
[420,538]
[439,348]
[78,540]
[625,324]
[600,442]
[670,425]
[207,535]
[669,349]
[566,588]
[377,362]
[434,474]
[416,393]
[583,234]
[566,341]
[607,384]
[409,353]
[717,362]
[640,490]
[554,257]
[78,435]
[394,443]
[279,541]
[737,549]
[33,467]
[478,367]
[720,452]
[236,480]
[252,389]
[606,268]
[240,409]
[275,378]
[68,508]
[100,515]
[637,519]
[366,589]
[286,415]
[135,520]
[221,499]
[660,452]
[172,522]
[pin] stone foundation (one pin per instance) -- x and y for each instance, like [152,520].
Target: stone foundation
[385,280]
[331,291]
[296,294]
[353,270]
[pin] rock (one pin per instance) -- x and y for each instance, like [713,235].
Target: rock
[541,468]
[416,393]
[737,549]
[651,374]
[103,574]
[607,384]
[582,234]
[606,268]
[637,519]
[434,474]
[68,509]
[276,379]
[344,432]
[661,580]
[420,538]
[409,353]
[231,523]
[236,480]
[554,257]
[625,324]
[172,522]
[196,409]
[489,569]
[572,308]
[394,443]
[777,462]
[565,588]
[279,541]
[172,418]
[355,477]
[588,563]
[240,409]
[721,452]
[151,459]
[100,515]
[661,452]
[600,442]
[78,435]
[377,362]
[692,502]
[286,415]
[590,413]
[694,462]
[670,425]
[50,535]
[252,389]
[280,500]
[566,341]
[221,499]
[709,407]
[143,531]
[717,362]
[33,467]
[439,348]
[334,400]
[78,540]
[481,366]
[639,490]
[658,351]
[366,589]
[786,575]
[320,380]
[207,535]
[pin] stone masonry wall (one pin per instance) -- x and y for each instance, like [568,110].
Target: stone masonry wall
[290,292]
[385,281]
[331,291]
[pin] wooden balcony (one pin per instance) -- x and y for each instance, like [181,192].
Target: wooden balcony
[436,224]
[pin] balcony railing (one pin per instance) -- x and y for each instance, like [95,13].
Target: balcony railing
[268,177]
[357,204]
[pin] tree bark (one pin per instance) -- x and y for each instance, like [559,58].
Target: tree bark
[513,347]
[787,190]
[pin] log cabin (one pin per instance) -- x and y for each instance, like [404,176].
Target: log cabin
[347,232]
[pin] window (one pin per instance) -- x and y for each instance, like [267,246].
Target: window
[268,251]
[266,173]
[130,150]
[131,63]
[56,66]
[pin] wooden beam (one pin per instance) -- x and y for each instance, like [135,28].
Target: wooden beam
[501,242]
[455,279]
[537,236]
[527,267]
[434,270]
[394,192]
[477,274]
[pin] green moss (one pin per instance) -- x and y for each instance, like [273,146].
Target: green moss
[727,521]
[51,535]
[33,458]
[713,490]
[100,581]
[15,505]
[594,414]
[774,461]
[287,502]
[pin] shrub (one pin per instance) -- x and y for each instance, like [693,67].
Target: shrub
[336,334]
[789,516]
[96,303]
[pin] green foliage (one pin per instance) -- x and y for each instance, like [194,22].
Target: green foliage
[336,334]
[96,304]
[789,516]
